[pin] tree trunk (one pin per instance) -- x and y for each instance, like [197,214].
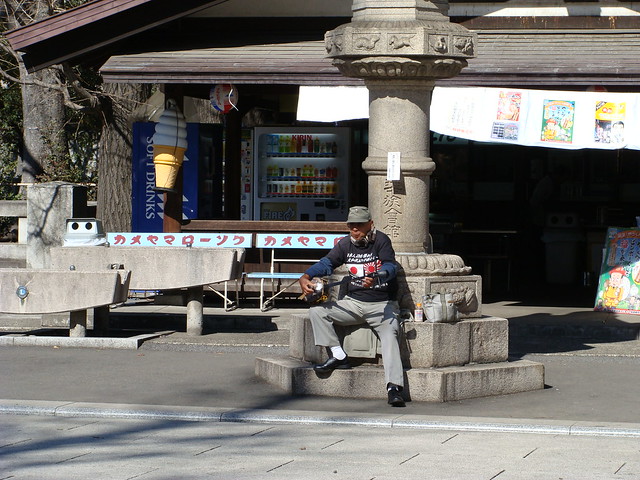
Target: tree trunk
[114,154]
[43,117]
[42,108]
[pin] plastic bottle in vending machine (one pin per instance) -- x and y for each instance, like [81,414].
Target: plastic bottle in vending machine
[309,144]
[329,188]
[316,145]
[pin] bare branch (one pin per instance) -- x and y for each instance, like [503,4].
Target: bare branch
[74,82]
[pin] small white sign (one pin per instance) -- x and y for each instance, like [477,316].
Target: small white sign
[393,166]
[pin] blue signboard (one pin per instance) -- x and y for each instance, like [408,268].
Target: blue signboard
[147,204]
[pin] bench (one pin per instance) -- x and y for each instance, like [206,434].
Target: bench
[281,242]
[239,241]
[28,291]
[159,267]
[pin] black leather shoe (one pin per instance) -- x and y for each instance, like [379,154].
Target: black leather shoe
[331,364]
[395,399]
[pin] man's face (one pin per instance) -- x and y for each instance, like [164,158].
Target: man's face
[359,230]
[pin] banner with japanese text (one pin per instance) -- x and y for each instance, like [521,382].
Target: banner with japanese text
[158,239]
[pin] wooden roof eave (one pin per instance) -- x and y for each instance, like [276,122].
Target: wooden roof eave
[550,58]
[93,26]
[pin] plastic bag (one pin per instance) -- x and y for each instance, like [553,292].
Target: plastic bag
[439,308]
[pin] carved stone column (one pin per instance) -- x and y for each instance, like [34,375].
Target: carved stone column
[399,48]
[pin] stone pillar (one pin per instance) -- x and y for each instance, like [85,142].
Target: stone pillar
[49,205]
[195,310]
[399,122]
[78,323]
[399,48]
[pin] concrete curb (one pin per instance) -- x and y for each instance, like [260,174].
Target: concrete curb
[391,420]
[129,343]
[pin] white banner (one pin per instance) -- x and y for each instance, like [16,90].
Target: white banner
[332,104]
[542,118]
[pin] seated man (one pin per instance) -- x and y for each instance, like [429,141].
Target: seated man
[370,298]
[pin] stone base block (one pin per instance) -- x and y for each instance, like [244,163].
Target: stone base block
[424,345]
[421,384]
[481,340]
[469,286]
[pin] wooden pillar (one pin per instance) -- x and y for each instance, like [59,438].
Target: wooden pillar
[172,221]
[233,136]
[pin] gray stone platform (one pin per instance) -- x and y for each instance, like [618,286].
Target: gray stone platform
[443,362]
[421,384]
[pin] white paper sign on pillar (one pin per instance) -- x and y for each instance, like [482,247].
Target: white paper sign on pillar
[393,166]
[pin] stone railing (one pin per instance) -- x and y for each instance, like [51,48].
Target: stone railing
[15,250]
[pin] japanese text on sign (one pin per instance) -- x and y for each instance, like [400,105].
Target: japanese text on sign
[213,240]
[297,240]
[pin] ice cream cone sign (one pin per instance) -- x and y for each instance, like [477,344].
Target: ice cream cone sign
[169,144]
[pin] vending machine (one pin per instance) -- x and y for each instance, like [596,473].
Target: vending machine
[301,173]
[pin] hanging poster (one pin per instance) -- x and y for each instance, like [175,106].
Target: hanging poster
[610,118]
[557,121]
[620,272]
[506,126]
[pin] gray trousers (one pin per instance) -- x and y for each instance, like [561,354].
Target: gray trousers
[381,316]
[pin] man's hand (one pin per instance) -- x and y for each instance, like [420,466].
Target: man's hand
[306,285]
[368,282]
[374,278]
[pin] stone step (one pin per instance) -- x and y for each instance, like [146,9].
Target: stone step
[446,384]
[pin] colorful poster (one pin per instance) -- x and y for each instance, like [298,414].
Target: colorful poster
[557,121]
[506,127]
[610,118]
[509,106]
[620,272]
